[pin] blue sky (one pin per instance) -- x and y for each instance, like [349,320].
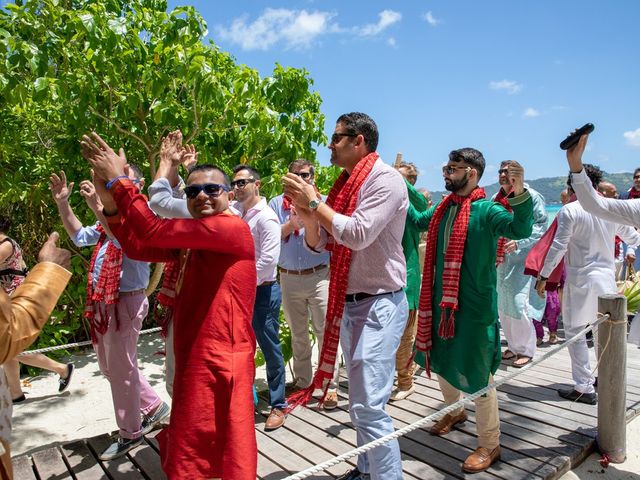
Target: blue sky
[509,78]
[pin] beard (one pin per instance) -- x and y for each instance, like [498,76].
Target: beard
[455,186]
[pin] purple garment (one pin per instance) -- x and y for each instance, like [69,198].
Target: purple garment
[551,313]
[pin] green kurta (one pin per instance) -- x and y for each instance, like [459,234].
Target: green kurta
[467,359]
[410,246]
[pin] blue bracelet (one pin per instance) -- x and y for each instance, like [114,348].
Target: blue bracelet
[114,180]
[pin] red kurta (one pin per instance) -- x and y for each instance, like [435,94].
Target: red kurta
[211,433]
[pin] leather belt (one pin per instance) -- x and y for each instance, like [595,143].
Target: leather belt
[306,271]
[267,284]
[132,293]
[356,297]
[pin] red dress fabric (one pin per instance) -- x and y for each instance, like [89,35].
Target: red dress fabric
[211,434]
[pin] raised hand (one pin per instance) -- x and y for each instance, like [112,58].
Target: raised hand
[59,188]
[50,252]
[171,149]
[189,157]
[574,154]
[106,163]
[516,177]
[89,193]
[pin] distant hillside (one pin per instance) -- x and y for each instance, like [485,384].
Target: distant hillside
[551,187]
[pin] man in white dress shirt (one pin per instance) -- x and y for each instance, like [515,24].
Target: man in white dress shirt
[265,228]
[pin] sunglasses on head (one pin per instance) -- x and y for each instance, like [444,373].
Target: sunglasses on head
[210,189]
[243,182]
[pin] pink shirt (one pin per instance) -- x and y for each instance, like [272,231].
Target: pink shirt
[374,233]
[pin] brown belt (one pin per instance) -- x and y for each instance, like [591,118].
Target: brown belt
[132,293]
[306,271]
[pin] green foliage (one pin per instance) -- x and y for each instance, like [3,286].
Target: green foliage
[132,71]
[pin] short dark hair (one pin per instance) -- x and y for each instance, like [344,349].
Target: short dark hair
[301,163]
[635,172]
[207,167]
[470,156]
[361,124]
[254,173]
[593,172]
[5,223]
[137,171]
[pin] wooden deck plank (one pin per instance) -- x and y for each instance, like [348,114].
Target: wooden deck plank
[120,468]
[82,462]
[23,468]
[148,461]
[50,465]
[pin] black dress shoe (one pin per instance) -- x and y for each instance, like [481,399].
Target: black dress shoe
[575,396]
[354,475]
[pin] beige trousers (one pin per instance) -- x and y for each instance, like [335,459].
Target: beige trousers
[405,350]
[487,417]
[305,296]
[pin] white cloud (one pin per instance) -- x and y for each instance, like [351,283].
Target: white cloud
[510,86]
[387,18]
[633,137]
[392,42]
[431,20]
[294,28]
[531,113]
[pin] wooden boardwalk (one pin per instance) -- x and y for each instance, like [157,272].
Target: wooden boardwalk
[542,436]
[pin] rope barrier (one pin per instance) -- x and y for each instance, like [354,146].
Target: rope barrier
[78,344]
[444,411]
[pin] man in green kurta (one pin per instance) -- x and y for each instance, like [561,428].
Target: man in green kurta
[458,317]
[410,246]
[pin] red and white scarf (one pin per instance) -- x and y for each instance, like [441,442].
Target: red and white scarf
[501,198]
[343,199]
[286,206]
[107,287]
[450,274]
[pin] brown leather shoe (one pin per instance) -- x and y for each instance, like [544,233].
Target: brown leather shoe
[481,459]
[446,423]
[275,419]
[330,401]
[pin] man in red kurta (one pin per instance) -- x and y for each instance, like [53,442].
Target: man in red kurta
[211,434]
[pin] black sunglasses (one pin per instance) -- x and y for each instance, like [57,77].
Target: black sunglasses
[210,189]
[451,169]
[503,170]
[303,175]
[242,182]
[635,177]
[335,138]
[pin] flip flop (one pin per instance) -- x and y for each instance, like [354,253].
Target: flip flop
[508,355]
[520,365]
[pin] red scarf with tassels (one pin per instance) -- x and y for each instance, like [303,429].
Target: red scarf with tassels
[107,287]
[501,198]
[343,198]
[450,274]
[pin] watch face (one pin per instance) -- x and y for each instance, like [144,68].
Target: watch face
[313,204]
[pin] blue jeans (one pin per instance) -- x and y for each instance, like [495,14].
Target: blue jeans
[370,335]
[266,326]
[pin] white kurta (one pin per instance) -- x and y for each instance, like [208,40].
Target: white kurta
[587,244]
[518,302]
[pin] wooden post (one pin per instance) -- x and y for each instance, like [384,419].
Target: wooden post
[612,378]
[398,160]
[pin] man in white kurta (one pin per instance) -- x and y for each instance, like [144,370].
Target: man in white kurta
[518,304]
[587,244]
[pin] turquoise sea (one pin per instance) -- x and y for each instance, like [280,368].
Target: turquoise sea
[552,211]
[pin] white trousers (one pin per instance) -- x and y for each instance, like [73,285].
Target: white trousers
[520,333]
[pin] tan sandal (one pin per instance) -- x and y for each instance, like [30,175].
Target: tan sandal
[523,359]
[508,355]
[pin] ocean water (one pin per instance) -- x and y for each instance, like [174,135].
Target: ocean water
[552,211]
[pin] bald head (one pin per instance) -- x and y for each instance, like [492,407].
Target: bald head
[608,189]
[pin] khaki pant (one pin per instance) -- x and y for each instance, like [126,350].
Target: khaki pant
[487,416]
[305,296]
[405,350]
[6,470]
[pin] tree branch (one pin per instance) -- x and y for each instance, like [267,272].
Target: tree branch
[119,128]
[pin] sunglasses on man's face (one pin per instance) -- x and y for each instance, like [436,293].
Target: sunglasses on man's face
[243,182]
[304,175]
[451,169]
[210,189]
[503,171]
[636,177]
[335,138]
